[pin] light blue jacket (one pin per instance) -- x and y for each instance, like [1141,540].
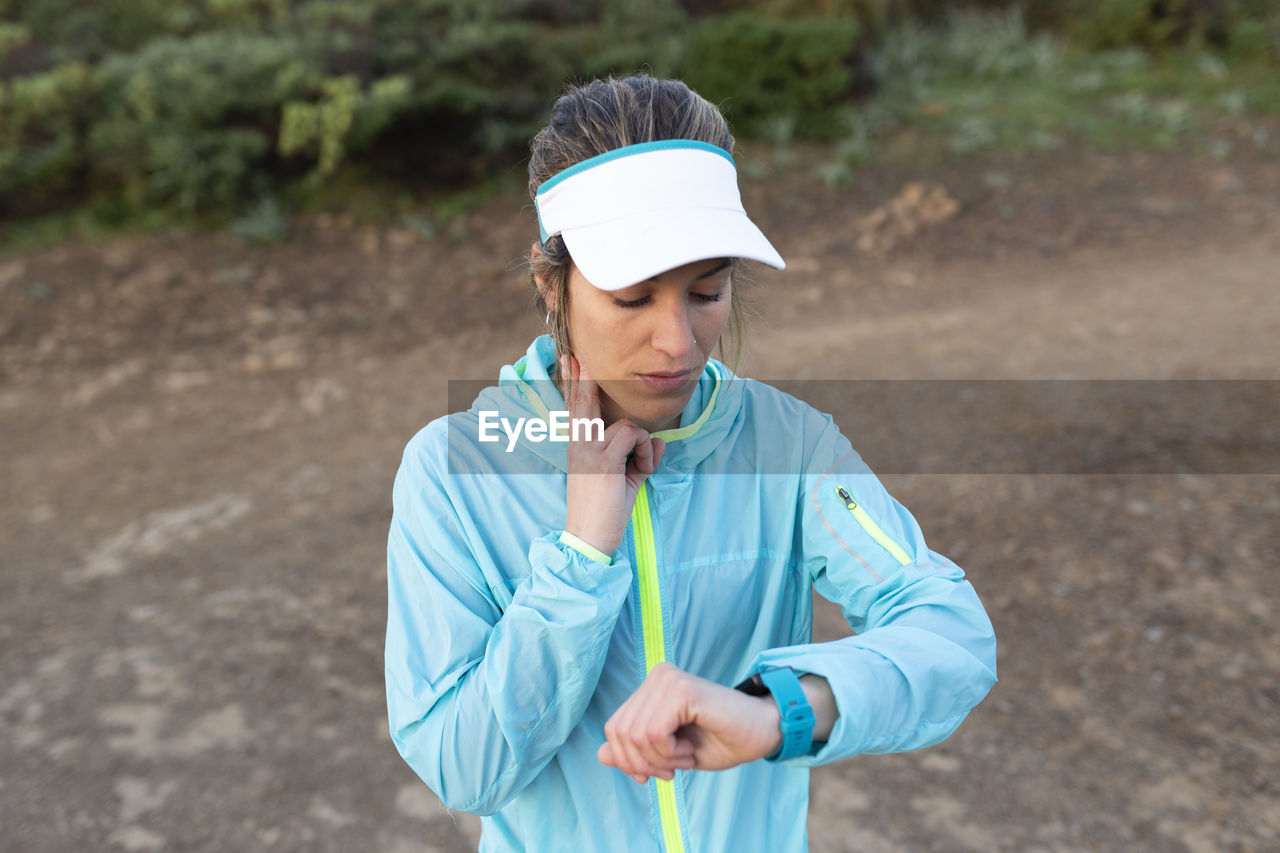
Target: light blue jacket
[508,650]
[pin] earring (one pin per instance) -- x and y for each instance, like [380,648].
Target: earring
[547,321]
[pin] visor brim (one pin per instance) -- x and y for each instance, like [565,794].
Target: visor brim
[621,252]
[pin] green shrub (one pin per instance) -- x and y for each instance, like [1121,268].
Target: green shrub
[1255,36]
[1245,27]
[196,105]
[72,30]
[192,123]
[12,37]
[1149,24]
[343,119]
[40,116]
[764,71]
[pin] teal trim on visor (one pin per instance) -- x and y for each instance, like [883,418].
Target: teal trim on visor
[617,153]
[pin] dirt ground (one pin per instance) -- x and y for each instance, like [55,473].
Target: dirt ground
[200,438]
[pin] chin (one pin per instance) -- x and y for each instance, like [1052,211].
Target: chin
[660,410]
[644,405]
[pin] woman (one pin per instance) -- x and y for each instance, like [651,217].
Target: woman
[567,618]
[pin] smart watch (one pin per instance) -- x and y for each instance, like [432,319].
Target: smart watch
[797,717]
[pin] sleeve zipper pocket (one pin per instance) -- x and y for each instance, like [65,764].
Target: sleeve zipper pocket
[873,530]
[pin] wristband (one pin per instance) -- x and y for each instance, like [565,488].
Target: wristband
[585,549]
[796,716]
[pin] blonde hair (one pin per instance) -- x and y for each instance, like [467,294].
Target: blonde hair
[600,116]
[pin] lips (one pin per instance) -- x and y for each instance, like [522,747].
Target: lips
[666,381]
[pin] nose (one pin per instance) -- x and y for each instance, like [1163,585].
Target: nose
[673,330]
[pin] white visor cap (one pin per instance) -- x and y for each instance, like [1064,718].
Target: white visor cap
[635,212]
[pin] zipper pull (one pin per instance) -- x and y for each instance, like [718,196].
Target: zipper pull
[846,497]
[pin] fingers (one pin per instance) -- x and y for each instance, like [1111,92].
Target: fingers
[598,507]
[652,749]
[626,437]
[631,450]
[642,734]
[647,456]
[626,753]
[627,447]
[638,767]
[606,756]
[609,758]
[583,396]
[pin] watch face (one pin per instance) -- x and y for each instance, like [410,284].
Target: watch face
[753,686]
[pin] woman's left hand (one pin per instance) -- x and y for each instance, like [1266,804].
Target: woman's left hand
[678,721]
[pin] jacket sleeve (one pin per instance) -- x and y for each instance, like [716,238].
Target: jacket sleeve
[481,696]
[924,652]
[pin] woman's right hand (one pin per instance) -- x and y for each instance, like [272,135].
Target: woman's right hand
[604,476]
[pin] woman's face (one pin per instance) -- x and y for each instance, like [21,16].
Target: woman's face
[646,345]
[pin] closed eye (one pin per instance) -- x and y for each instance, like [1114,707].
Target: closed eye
[644,300]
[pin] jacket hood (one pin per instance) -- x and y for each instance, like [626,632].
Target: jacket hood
[526,389]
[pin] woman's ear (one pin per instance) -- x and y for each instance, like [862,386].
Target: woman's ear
[540,280]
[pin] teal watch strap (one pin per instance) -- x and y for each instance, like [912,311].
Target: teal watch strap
[797,716]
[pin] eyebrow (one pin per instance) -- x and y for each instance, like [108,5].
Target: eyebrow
[707,274]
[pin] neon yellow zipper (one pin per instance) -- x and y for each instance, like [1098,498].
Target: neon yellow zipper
[654,646]
[869,524]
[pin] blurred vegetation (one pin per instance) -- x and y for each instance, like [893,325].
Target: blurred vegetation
[985,83]
[156,110]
